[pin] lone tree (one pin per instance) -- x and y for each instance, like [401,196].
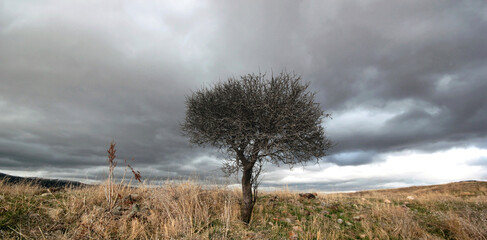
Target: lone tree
[255,120]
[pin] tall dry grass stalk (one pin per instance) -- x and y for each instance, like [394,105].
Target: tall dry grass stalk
[110,185]
[112,188]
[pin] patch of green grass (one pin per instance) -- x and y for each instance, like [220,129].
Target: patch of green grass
[12,218]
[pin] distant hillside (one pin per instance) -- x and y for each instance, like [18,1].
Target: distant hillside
[48,183]
[464,188]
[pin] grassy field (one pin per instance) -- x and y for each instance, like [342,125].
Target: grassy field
[187,211]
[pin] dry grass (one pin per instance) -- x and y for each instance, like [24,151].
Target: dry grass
[187,211]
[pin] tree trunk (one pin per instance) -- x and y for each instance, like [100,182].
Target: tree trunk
[248,203]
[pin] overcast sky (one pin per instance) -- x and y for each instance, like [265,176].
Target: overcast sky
[405,82]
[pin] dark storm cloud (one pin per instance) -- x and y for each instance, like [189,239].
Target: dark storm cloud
[425,57]
[74,75]
[80,80]
[417,54]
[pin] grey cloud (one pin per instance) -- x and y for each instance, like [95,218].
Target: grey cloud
[384,67]
[85,91]
[76,75]
[479,162]
[353,158]
[373,53]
